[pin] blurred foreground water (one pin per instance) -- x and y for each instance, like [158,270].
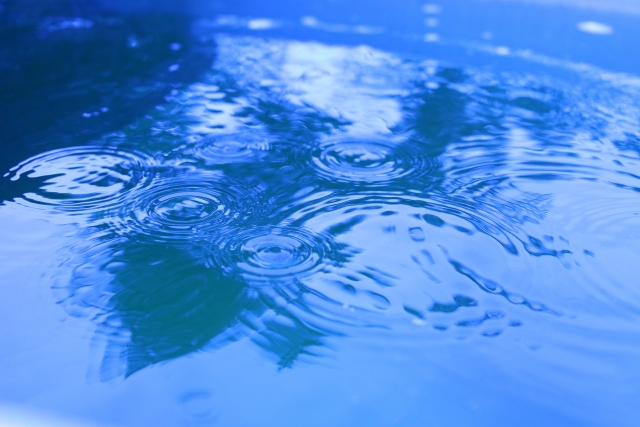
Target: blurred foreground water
[242,216]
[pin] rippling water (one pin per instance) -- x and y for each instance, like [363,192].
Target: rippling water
[326,202]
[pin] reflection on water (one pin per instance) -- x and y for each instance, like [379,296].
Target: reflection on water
[298,193]
[82,180]
[283,202]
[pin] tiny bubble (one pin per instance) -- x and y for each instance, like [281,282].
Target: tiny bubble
[173,68]
[416,233]
[175,46]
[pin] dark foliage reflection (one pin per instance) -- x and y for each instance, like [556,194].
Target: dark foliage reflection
[280,202]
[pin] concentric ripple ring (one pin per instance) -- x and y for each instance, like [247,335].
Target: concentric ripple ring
[227,149]
[271,253]
[186,205]
[371,160]
[83,180]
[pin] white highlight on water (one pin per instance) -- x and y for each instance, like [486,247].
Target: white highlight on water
[431,9]
[593,27]
[261,24]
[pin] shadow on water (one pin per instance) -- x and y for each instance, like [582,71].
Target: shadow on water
[159,302]
[74,71]
[154,301]
[198,260]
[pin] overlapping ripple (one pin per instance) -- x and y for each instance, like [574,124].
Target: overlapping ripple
[186,205]
[82,180]
[457,214]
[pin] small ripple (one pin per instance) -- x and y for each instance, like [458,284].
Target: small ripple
[371,161]
[82,180]
[272,253]
[227,149]
[182,206]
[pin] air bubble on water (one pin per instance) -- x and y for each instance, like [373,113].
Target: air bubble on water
[417,234]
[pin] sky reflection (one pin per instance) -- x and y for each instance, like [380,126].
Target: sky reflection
[394,215]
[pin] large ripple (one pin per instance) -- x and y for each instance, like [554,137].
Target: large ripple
[82,180]
[227,149]
[187,205]
[269,253]
[367,160]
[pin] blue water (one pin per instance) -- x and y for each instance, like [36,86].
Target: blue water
[307,213]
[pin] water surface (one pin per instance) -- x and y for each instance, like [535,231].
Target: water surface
[283,222]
